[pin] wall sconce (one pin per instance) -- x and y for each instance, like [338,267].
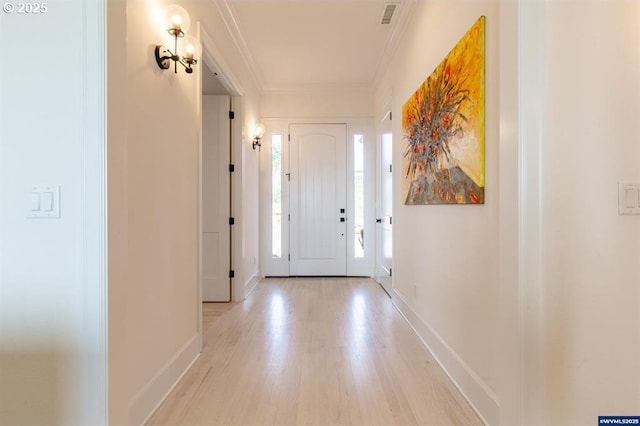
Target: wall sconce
[258,133]
[177,24]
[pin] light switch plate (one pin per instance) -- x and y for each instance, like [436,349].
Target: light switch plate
[44,202]
[628,198]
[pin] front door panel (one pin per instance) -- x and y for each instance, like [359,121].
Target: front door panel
[318,199]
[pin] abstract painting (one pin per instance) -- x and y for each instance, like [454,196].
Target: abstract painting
[443,128]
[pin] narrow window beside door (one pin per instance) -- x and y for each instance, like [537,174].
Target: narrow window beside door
[276,196]
[358,195]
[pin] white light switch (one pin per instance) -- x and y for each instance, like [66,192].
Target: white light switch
[628,198]
[47,201]
[44,202]
[35,201]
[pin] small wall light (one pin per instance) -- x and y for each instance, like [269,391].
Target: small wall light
[177,24]
[258,133]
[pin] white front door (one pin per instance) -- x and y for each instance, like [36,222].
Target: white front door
[318,199]
[216,249]
[385,209]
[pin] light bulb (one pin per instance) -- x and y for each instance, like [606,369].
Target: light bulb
[189,51]
[191,47]
[177,18]
[259,131]
[176,22]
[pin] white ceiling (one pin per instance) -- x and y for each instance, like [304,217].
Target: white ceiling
[315,44]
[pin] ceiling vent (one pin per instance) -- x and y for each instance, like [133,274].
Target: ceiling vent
[387,14]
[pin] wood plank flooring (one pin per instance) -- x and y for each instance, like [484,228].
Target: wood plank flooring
[211,312]
[314,351]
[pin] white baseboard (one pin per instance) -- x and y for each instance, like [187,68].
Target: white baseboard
[483,400]
[149,398]
[251,284]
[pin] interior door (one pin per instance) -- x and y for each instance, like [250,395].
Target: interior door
[215,186]
[385,209]
[318,200]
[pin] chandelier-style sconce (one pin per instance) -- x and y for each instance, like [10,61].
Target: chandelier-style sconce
[258,133]
[177,24]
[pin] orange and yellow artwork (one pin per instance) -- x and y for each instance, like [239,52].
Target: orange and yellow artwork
[443,126]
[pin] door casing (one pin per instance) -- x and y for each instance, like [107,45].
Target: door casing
[384,251]
[273,266]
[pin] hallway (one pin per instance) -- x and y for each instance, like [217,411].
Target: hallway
[314,351]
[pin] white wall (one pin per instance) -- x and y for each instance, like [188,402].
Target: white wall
[52,283]
[590,254]
[511,370]
[569,100]
[154,136]
[118,211]
[446,257]
[250,187]
[317,103]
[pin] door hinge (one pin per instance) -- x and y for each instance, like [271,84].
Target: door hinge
[390,272]
[232,221]
[289,137]
[390,115]
[390,168]
[232,168]
[390,220]
[289,217]
[289,257]
[232,115]
[232,273]
[288,175]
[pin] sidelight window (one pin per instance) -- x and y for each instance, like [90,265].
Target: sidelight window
[276,196]
[358,195]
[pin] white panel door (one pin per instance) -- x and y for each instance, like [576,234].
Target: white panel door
[318,199]
[215,199]
[385,197]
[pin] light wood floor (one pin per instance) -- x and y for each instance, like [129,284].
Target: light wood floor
[314,351]
[211,312]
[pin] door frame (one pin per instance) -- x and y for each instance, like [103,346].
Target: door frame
[385,281]
[212,57]
[272,267]
[221,169]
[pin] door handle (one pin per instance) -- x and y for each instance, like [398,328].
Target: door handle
[378,220]
[342,219]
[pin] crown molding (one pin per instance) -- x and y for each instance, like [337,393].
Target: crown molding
[407,9]
[233,29]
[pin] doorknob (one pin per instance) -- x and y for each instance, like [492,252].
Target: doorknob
[378,220]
